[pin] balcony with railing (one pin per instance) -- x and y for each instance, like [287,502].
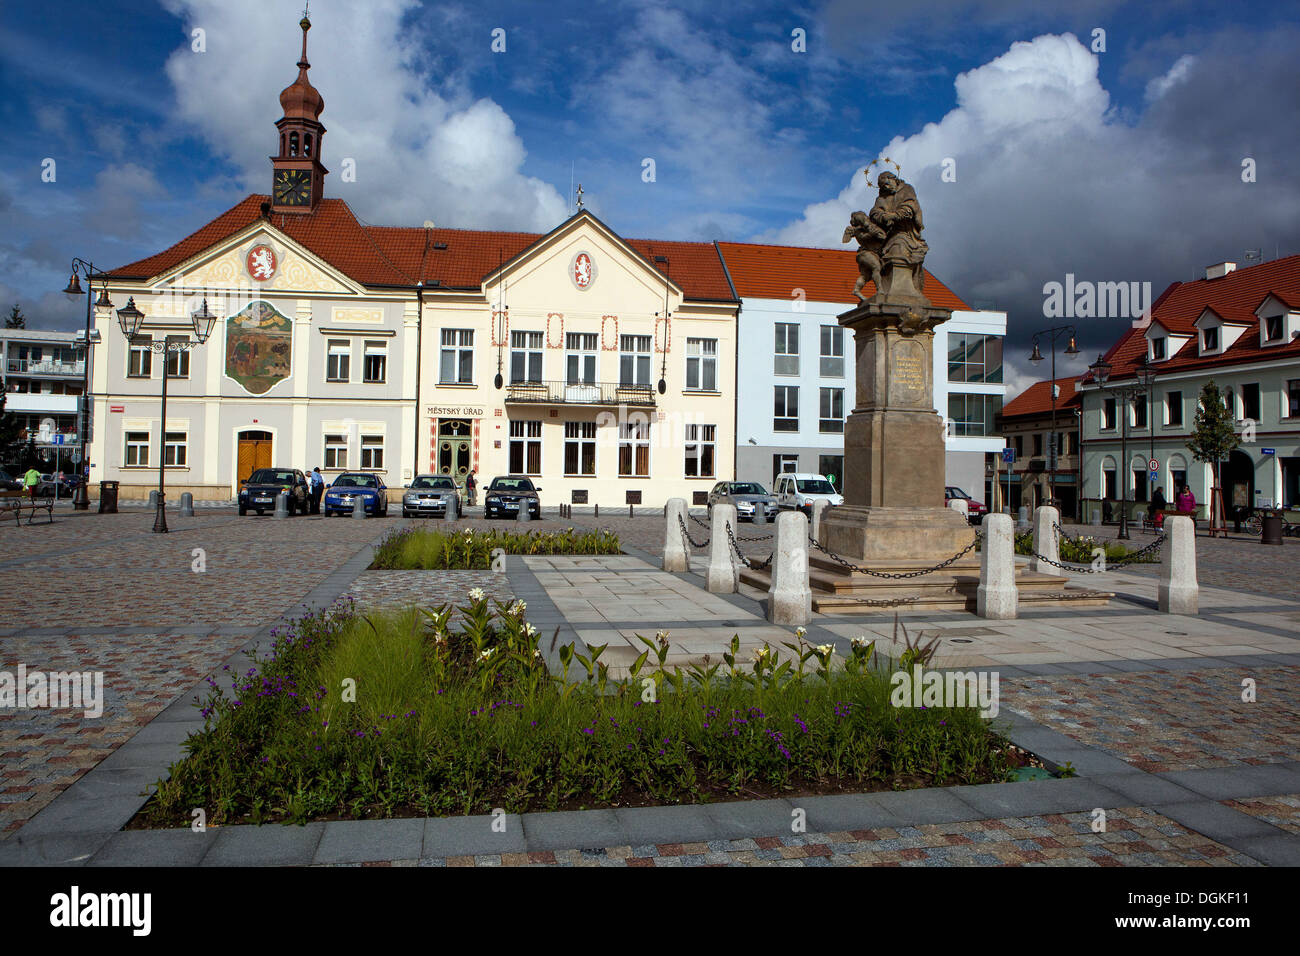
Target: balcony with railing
[579,393]
[46,367]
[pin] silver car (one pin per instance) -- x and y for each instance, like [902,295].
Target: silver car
[746,496]
[428,495]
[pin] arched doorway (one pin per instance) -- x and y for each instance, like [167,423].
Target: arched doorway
[254,453]
[1238,477]
[454,445]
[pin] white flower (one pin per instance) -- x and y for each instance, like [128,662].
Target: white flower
[518,607]
[537,654]
[799,632]
[661,635]
[486,654]
[860,642]
[476,594]
[761,654]
[825,650]
[530,631]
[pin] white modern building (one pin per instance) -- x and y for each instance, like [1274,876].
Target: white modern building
[43,375]
[796,366]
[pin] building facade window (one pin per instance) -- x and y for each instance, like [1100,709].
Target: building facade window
[701,445]
[137,449]
[525,448]
[1107,414]
[832,411]
[1250,405]
[782,464]
[1272,328]
[1038,444]
[786,352]
[140,359]
[372,452]
[175,450]
[1293,398]
[1210,339]
[832,467]
[973,357]
[456,365]
[785,411]
[338,362]
[375,367]
[1158,348]
[1140,412]
[634,449]
[832,357]
[702,365]
[973,414]
[1173,408]
[580,357]
[336,452]
[579,448]
[525,356]
[634,360]
[178,360]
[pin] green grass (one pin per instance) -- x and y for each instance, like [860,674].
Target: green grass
[1079,550]
[421,549]
[469,721]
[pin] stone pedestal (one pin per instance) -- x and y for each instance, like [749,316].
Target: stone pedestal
[893,442]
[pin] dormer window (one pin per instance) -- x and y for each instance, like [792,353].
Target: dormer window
[1158,348]
[1272,328]
[1209,339]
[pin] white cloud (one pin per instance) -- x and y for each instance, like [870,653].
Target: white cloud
[420,153]
[1178,73]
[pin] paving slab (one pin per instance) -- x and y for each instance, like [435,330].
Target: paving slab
[571,828]
[274,844]
[736,819]
[180,847]
[468,836]
[362,841]
[57,849]
[685,824]
[1216,821]
[1035,797]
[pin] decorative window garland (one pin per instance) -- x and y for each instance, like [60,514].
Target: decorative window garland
[614,346]
[549,316]
[668,334]
[505,328]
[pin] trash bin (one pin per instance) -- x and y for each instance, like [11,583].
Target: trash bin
[1272,531]
[108,497]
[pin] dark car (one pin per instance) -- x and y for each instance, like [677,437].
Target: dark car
[341,496]
[974,509]
[746,496]
[505,496]
[259,492]
[429,495]
[8,482]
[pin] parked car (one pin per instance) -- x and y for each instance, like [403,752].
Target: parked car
[429,495]
[51,487]
[342,494]
[747,496]
[796,491]
[259,492]
[975,510]
[506,495]
[8,482]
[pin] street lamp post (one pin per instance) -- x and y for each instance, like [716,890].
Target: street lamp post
[1053,452]
[129,319]
[1144,375]
[80,267]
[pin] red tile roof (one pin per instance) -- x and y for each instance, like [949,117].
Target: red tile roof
[825,275]
[1235,297]
[1037,399]
[402,256]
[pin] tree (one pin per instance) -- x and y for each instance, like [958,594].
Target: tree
[11,430]
[1213,437]
[15,319]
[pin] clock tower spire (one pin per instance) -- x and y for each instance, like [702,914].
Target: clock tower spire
[297,179]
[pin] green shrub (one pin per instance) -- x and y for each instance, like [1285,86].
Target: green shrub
[422,549]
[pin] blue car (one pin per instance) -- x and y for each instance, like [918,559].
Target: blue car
[342,494]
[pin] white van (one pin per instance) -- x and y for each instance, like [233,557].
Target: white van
[796,491]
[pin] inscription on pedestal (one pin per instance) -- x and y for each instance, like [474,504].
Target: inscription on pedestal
[907,374]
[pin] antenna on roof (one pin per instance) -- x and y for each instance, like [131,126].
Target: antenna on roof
[1252,254]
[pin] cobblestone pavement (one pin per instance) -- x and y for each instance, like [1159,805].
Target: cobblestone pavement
[1133,837]
[394,589]
[1160,721]
[43,751]
[1281,811]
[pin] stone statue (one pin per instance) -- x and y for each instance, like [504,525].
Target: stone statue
[891,251]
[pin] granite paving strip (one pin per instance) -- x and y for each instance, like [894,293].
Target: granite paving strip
[398,589]
[1281,811]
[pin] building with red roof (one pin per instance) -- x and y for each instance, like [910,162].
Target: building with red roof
[1026,425]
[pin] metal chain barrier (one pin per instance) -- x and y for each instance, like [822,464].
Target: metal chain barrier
[1107,564]
[687,535]
[763,566]
[760,537]
[903,574]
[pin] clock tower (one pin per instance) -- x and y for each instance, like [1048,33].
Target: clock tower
[297,179]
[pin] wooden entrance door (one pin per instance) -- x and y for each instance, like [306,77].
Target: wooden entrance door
[254,453]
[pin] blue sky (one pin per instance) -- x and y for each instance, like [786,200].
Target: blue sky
[1114,165]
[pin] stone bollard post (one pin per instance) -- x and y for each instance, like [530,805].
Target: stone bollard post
[1095,520]
[818,512]
[996,594]
[153,499]
[630,513]
[676,556]
[1178,592]
[358,507]
[453,508]
[760,513]
[281,505]
[525,512]
[597,507]
[1046,541]
[1022,518]
[789,598]
[961,506]
[724,575]
[187,505]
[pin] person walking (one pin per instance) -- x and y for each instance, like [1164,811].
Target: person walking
[470,485]
[31,480]
[1156,510]
[317,489]
[1186,501]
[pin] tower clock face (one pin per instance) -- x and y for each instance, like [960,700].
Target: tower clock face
[292,187]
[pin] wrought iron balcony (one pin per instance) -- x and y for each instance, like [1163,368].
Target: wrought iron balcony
[47,367]
[579,393]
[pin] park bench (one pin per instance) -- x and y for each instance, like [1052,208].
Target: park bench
[16,502]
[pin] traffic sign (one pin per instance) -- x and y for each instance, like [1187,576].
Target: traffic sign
[1268,451]
[1153,476]
[1153,465]
[1009,456]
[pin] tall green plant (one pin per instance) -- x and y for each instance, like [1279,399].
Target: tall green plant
[1213,437]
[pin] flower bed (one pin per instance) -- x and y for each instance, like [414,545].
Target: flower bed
[1078,550]
[409,549]
[355,716]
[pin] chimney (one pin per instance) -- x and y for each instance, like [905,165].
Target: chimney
[1219,270]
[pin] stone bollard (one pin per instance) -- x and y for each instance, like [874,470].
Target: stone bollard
[996,594]
[187,505]
[676,557]
[525,512]
[818,512]
[789,598]
[281,505]
[631,514]
[1046,541]
[1095,520]
[1022,518]
[724,575]
[153,499]
[597,511]
[358,507]
[453,508]
[961,506]
[760,513]
[1178,592]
